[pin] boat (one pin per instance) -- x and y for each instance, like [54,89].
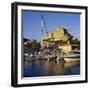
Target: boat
[72,57]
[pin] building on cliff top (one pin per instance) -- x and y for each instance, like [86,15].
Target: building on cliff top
[60,39]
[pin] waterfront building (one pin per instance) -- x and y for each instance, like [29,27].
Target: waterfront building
[31,46]
[60,39]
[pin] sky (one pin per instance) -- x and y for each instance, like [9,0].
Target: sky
[32,23]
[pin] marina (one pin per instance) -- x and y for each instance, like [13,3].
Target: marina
[50,65]
[67,57]
[56,53]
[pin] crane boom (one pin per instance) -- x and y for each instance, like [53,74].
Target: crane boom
[43,29]
[43,25]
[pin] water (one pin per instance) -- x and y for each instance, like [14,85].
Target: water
[34,68]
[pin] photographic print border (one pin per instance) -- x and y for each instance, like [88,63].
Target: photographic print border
[14,43]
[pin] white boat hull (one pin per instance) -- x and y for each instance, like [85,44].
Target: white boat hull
[70,59]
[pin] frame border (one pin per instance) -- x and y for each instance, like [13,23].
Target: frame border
[14,43]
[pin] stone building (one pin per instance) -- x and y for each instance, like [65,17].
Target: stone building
[60,39]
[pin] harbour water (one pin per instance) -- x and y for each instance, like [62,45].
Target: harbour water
[34,68]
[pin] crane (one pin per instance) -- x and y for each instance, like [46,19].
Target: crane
[43,25]
[43,28]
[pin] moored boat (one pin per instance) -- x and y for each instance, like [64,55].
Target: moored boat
[72,57]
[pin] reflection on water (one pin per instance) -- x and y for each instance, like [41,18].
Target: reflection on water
[34,68]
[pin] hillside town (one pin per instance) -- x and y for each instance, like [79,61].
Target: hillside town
[54,45]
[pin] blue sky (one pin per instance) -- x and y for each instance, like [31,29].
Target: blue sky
[32,23]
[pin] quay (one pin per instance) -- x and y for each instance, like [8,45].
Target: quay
[67,57]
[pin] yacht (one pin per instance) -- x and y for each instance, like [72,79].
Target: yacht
[72,57]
